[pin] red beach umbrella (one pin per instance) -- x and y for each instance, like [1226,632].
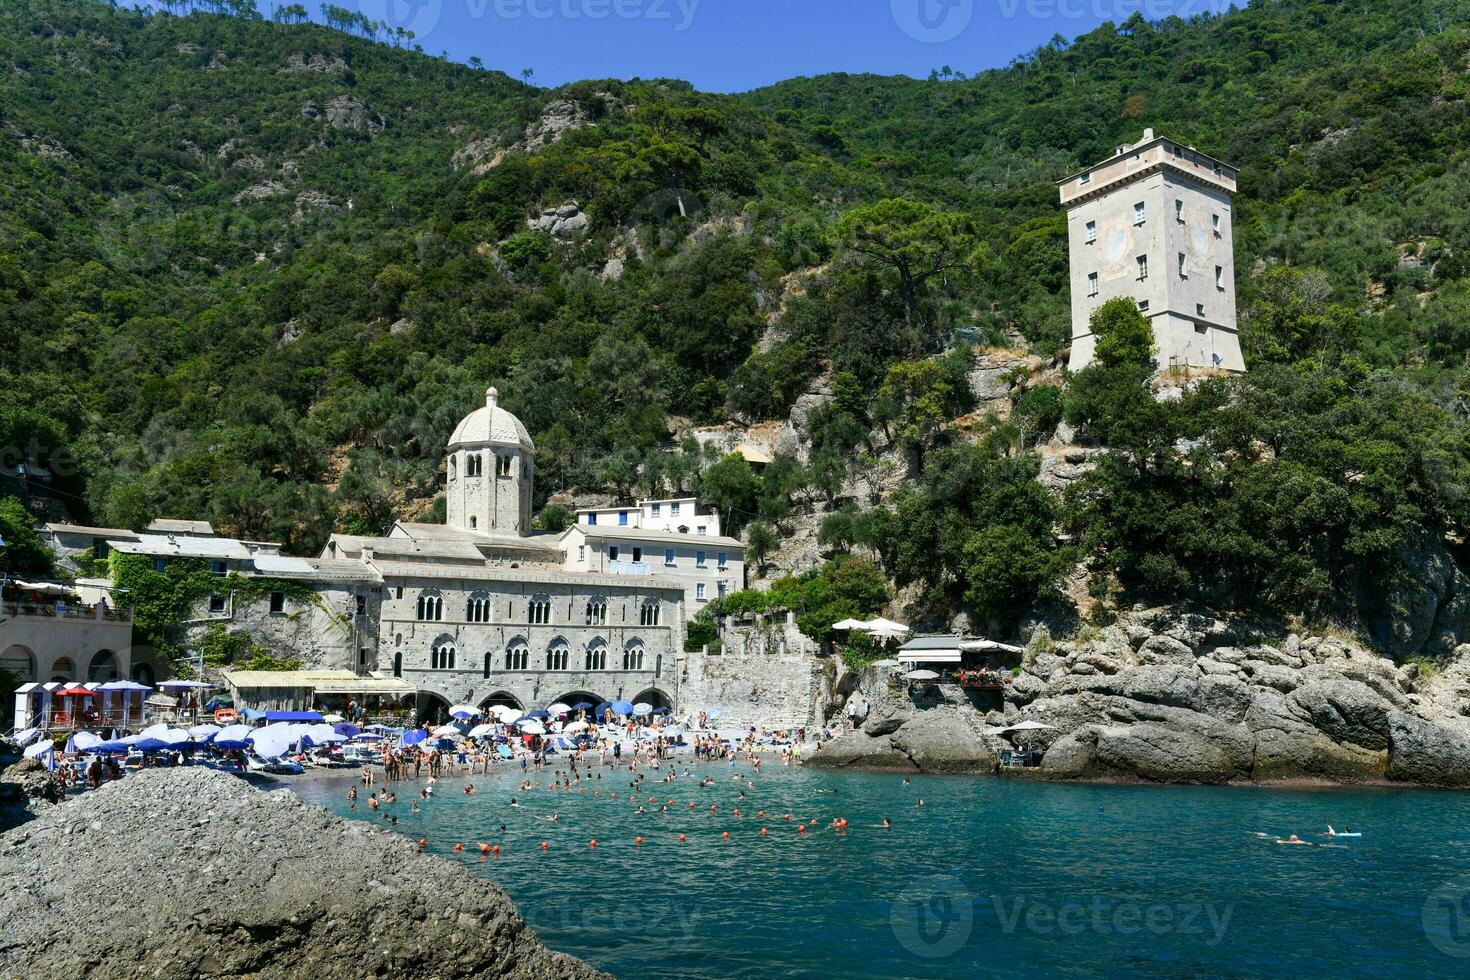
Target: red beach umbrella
[73,692]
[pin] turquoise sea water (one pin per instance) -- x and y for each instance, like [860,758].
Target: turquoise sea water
[990,877]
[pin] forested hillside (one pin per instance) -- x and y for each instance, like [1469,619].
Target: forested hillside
[255,272]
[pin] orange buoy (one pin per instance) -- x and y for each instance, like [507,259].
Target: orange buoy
[691,804]
[545,845]
[725,835]
[761,814]
[638,841]
[788,816]
[737,813]
[681,838]
[459,847]
[801,828]
[714,808]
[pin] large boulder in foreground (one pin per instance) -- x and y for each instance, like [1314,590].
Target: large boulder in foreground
[945,739]
[192,873]
[1421,751]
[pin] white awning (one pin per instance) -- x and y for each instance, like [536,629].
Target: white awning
[928,656]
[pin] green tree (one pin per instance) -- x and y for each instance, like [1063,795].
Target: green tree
[22,553]
[1125,338]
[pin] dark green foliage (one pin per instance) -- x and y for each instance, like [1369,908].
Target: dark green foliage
[23,552]
[844,588]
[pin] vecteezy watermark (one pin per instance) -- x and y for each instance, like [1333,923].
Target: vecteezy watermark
[670,930]
[418,17]
[1108,917]
[935,917]
[1446,917]
[679,13]
[1114,10]
[933,21]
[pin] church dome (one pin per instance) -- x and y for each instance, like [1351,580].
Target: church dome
[491,425]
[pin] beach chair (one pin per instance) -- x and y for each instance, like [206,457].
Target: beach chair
[504,752]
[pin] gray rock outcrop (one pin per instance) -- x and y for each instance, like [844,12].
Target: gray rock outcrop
[191,873]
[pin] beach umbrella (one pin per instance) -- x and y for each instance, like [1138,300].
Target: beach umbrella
[538,713]
[887,633]
[414,737]
[153,731]
[622,707]
[24,735]
[463,711]
[108,748]
[323,733]
[233,733]
[602,709]
[576,726]
[378,728]
[367,737]
[204,732]
[885,663]
[480,731]
[446,731]
[82,741]
[880,623]
[184,685]
[582,706]
[642,708]
[849,624]
[75,691]
[922,675]
[150,745]
[349,730]
[1031,726]
[333,719]
[124,686]
[173,736]
[558,709]
[532,727]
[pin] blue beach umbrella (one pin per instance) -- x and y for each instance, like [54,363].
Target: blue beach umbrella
[414,737]
[351,731]
[581,706]
[622,707]
[539,713]
[151,745]
[601,708]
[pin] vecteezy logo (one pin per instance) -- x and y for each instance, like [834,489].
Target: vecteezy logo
[933,916]
[1446,917]
[932,21]
[418,16]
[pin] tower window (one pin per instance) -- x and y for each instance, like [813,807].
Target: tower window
[1140,213]
[474,465]
[1199,309]
[1182,273]
[1219,277]
[1091,232]
[430,607]
[539,611]
[1178,210]
[502,466]
[1143,267]
[1143,306]
[1215,224]
[1092,284]
[474,522]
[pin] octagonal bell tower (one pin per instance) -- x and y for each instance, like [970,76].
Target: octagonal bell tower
[490,468]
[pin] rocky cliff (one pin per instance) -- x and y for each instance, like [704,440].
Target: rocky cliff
[191,873]
[1172,696]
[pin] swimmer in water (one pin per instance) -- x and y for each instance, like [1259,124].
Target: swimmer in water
[921,802]
[513,802]
[1293,839]
[469,790]
[553,818]
[887,824]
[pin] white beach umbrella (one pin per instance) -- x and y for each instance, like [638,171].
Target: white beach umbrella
[885,663]
[82,741]
[533,728]
[880,623]
[849,624]
[463,711]
[173,736]
[446,731]
[204,731]
[154,731]
[642,708]
[505,713]
[39,749]
[576,726]
[922,675]
[323,733]
[233,733]
[480,731]
[333,719]
[558,709]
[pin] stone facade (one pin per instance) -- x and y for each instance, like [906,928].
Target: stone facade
[1153,223]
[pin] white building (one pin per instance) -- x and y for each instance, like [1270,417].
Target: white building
[668,537]
[1153,223]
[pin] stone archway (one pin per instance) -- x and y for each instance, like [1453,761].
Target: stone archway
[103,667]
[503,697]
[62,670]
[656,698]
[432,709]
[143,674]
[574,698]
[21,662]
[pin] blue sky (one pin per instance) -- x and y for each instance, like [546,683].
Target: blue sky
[735,45]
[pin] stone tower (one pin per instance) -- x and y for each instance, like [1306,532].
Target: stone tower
[1152,222]
[491,468]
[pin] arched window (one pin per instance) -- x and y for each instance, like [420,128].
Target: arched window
[633,655]
[597,654]
[477,608]
[648,613]
[597,611]
[502,466]
[453,469]
[62,669]
[442,656]
[517,655]
[474,464]
[539,611]
[430,607]
[558,655]
[489,663]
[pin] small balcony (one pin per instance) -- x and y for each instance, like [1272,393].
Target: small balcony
[628,568]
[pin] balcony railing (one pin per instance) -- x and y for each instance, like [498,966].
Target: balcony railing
[47,610]
[628,567]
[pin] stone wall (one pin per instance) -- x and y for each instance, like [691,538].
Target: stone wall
[323,635]
[769,676]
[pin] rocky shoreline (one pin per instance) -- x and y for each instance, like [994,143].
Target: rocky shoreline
[1170,696]
[192,873]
